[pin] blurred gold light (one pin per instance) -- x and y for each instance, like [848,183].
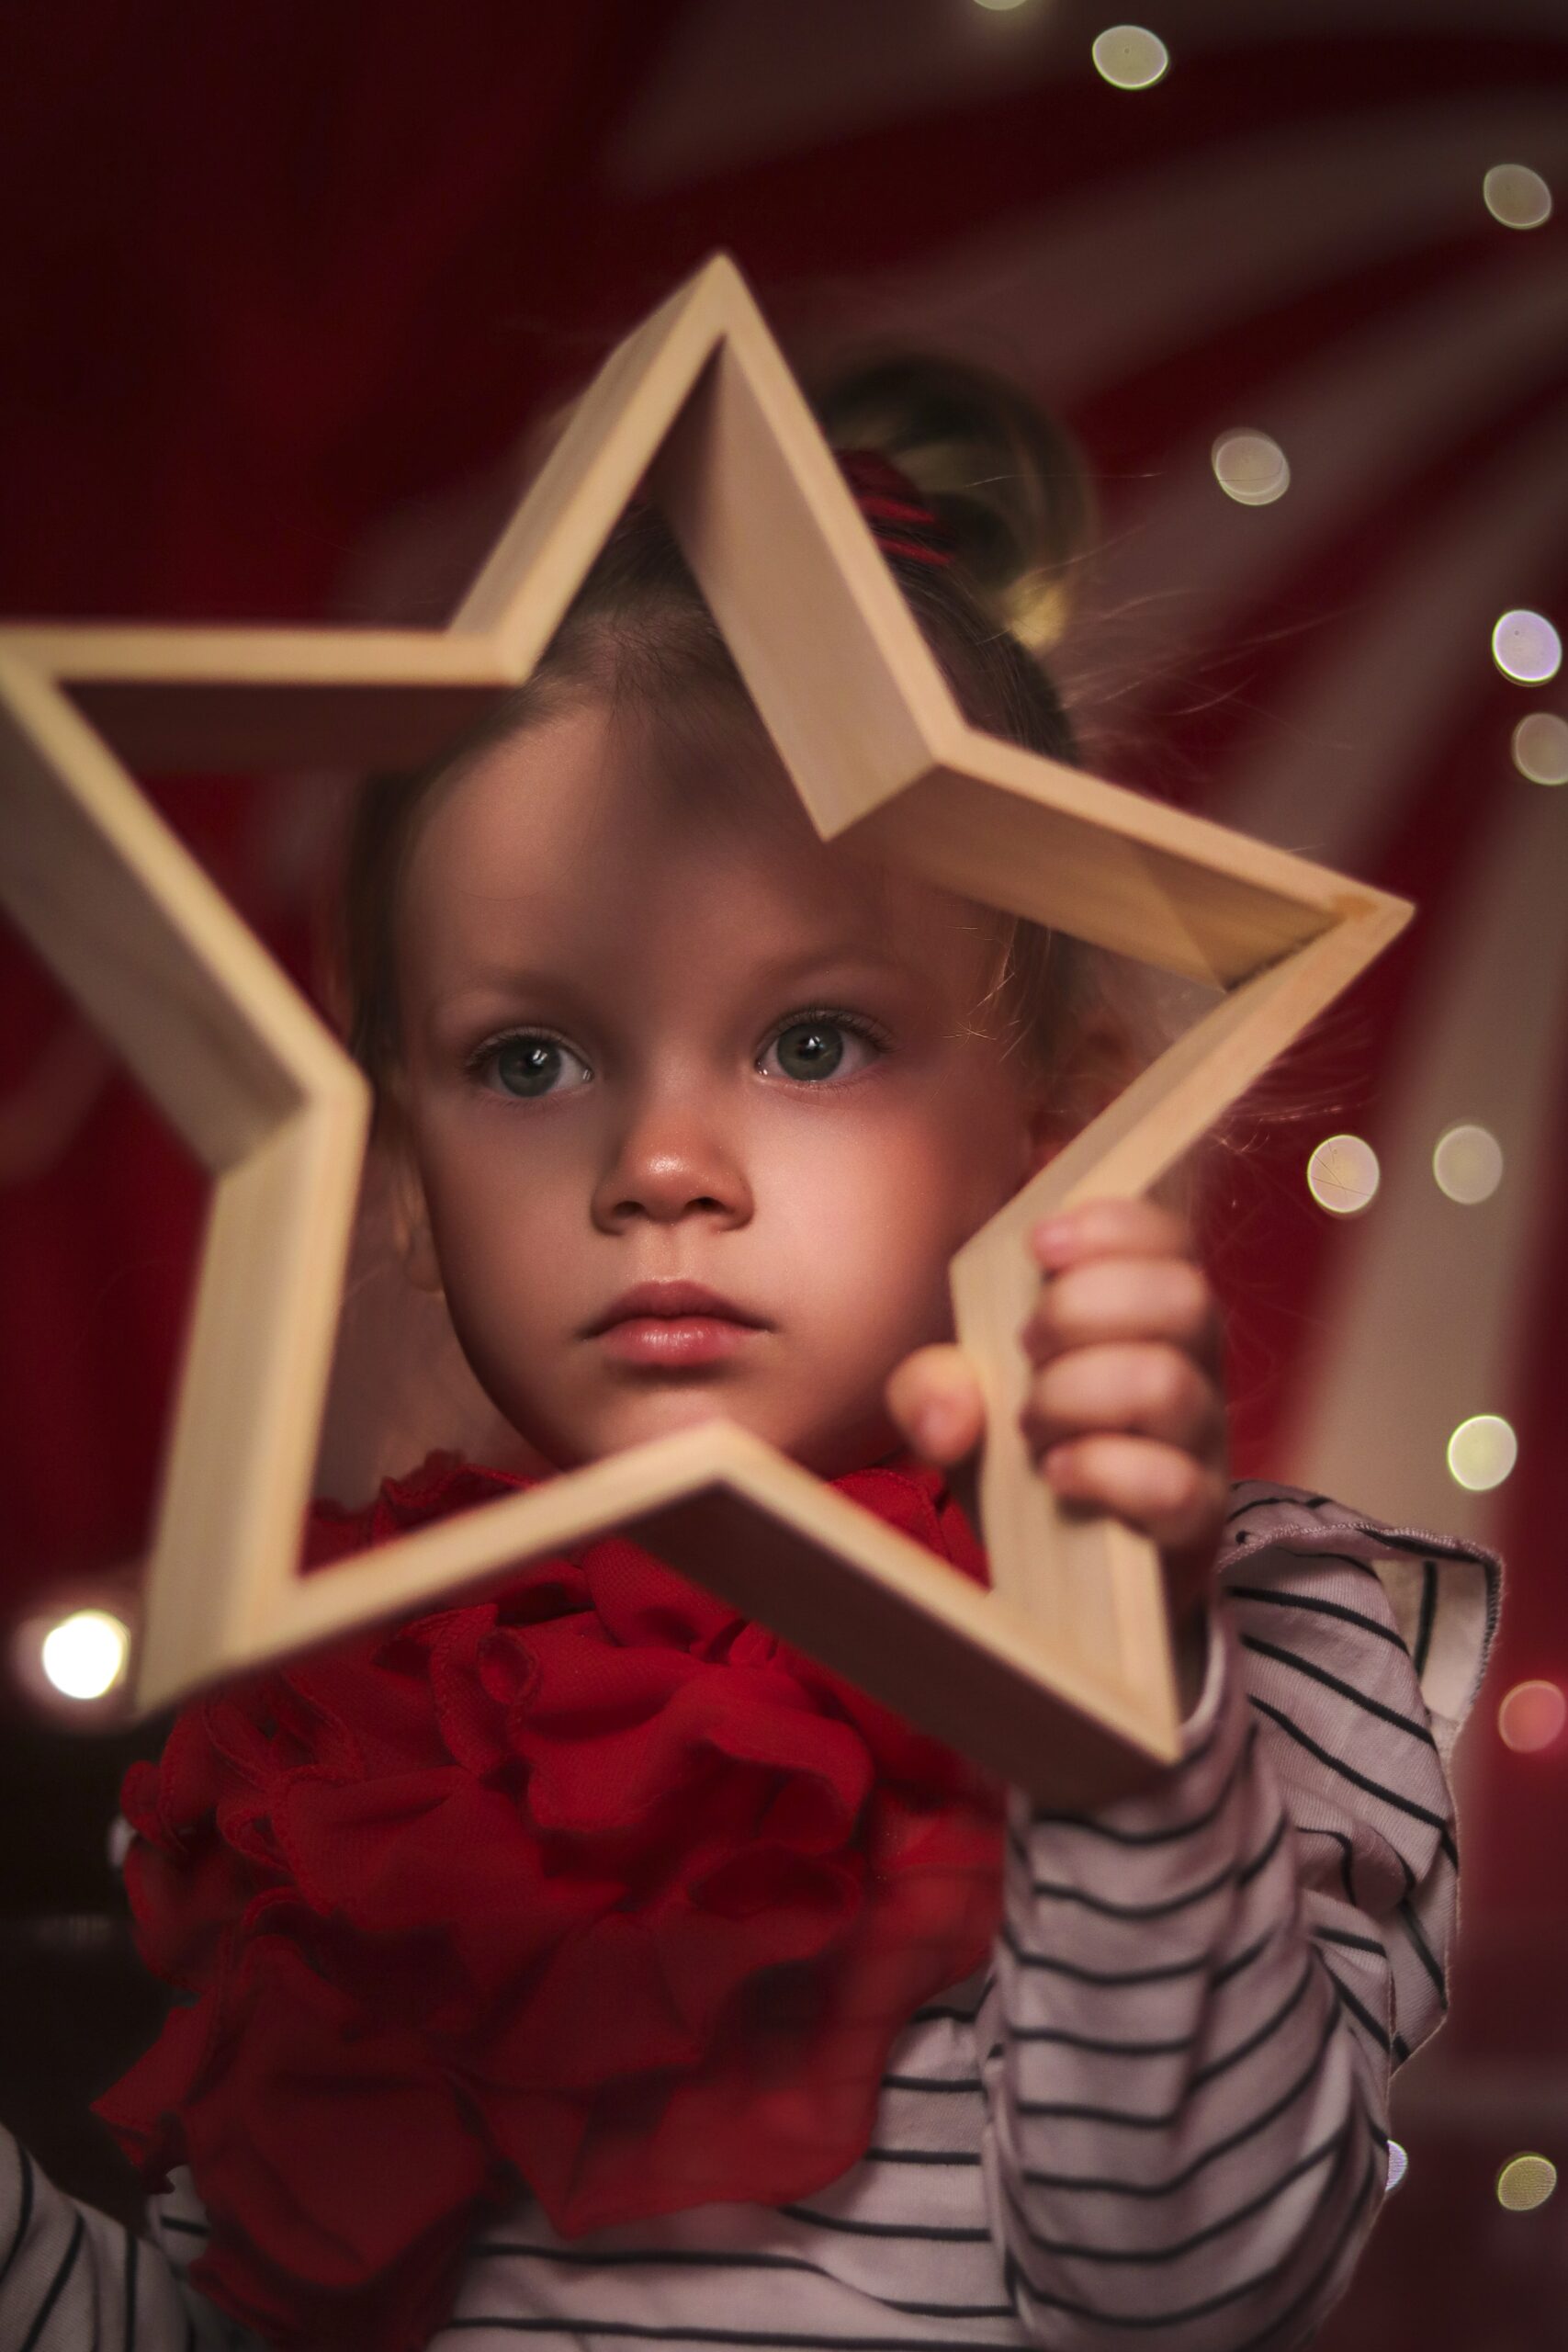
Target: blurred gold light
[84,1655]
[1531,1716]
[1250,468]
[1540,748]
[1526,2181]
[1129,57]
[1524,646]
[1517,196]
[1468,1164]
[1342,1174]
[1481,1452]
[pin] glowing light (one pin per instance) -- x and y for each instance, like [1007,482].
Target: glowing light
[1540,748]
[84,1655]
[1481,1452]
[1531,1716]
[998,6]
[1468,1164]
[1526,2181]
[1342,1174]
[1398,2165]
[1517,196]
[1524,646]
[1250,468]
[1129,57]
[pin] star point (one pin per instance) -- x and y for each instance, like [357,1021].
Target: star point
[1061,1678]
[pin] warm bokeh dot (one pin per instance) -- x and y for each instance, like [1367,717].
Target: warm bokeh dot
[1541,747]
[84,1655]
[1481,1452]
[1531,1716]
[1526,647]
[1251,467]
[1515,196]
[1129,57]
[1343,1174]
[1526,2181]
[1468,1163]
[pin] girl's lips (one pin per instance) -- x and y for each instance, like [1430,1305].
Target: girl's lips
[674,1340]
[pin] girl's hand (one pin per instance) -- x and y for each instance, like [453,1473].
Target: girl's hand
[1126,1408]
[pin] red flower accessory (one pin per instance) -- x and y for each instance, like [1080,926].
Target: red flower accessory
[591,1884]
[902,523]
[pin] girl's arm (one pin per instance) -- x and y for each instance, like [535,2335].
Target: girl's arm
[71,2280]
[1203,1990]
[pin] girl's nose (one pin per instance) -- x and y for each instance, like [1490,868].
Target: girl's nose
[672,1162]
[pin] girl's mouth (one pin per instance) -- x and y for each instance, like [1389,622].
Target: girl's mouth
[676,1339]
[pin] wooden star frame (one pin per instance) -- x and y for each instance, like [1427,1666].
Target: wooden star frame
[1061,1678]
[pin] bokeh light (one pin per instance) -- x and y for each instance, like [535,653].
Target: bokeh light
[1129,57]
[1531,1716]
[1000,7]
[1468,1164]
[1343,1174]
[1540,748]
[1526,647]
[1526,2181]
[1481,1452]
[1515,196]
[84,1655]
[1398,2165]
[1250,468]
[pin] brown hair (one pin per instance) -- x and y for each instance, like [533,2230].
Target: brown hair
[1012,500]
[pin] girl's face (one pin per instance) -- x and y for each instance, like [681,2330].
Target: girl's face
[655,1032]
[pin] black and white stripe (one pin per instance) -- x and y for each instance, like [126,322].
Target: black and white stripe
[1161,2117]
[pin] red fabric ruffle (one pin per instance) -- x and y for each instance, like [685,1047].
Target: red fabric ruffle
[591,1884]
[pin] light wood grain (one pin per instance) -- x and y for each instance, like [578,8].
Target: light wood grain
[1061,1678]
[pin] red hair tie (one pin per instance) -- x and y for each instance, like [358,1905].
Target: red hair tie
[901,522]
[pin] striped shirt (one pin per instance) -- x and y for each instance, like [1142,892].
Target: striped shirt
[1159,2117]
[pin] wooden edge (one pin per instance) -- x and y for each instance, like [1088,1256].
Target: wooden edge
[172,700]
[1054,867]
[156,656]
[116,905]
[257,1357]
[835,661]
[1281,876]
[588,478]
[723,1508]
[1062,1569]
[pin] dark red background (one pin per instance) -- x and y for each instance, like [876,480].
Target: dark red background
[273,274]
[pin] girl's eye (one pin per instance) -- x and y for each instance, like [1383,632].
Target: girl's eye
[819,1047]
[529,1065]
[527,1061]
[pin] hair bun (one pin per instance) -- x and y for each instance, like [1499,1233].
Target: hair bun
[1001,475]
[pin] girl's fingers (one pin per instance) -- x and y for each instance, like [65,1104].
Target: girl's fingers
[1135,1228]
[1126,1298]
[1142,1388]
[1159,1489]
[935,1400]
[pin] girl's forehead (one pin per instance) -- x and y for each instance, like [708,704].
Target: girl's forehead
[593,818]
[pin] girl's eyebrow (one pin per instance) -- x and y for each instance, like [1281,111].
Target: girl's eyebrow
[842,960]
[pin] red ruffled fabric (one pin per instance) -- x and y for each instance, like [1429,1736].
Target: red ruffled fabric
[592,1885]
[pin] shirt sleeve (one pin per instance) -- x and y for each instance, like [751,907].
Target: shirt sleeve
[1204,1988]
[71,2280]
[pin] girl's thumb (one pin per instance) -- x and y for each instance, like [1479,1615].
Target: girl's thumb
[934,1398]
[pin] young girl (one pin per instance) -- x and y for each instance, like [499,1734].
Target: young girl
[581,1962]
